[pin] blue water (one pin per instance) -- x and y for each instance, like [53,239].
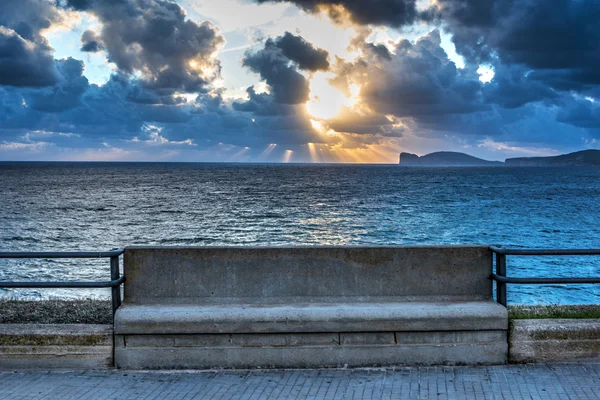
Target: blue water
[92,206]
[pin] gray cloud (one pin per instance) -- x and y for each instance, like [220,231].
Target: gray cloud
[278,64]
[307,56]
[64,95]
[154,38]
[286,84]
[416,81]
[394,13]
[26,56]
[544,55]
[559,41]
[514,86]
[580,112]
[91,42]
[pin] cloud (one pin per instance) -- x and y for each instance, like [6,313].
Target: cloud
[154,39]
[91,42]
[514,86]
[558,41]
[66,94]
[165,98]
[415,80]
[26,56]
[286,84]
[580,112]
[278,64]
[306,55]
[394,13]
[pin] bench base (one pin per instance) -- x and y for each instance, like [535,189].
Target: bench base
[310,350]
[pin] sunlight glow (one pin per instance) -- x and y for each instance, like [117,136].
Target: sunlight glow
[287,156]
[325,100]
[369,154]
[321,128]
[317,125]
[314,155]
[239,154]
[384,152]
[486,73]
[268,150]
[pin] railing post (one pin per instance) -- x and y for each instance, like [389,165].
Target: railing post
[501,271]
[116,290]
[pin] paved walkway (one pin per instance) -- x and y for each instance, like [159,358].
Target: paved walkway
[544,381]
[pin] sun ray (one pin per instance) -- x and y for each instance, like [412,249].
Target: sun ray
[287,155]
[314,154]
[268,150]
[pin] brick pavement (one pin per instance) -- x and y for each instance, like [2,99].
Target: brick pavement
[539,381]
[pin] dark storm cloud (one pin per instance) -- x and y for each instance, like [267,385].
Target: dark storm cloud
[91,42]
[25,55]
[471,22]
[23,63]
[278,64]
[580,112]
[394,13]
[558,40]
[514,86]
[154,38]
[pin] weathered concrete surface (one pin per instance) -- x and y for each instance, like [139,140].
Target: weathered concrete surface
[308,307]
[55,346]
[310,317]
[306,274]
[546,340]
[373,355]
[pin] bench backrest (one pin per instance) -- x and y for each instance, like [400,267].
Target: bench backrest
[306,274]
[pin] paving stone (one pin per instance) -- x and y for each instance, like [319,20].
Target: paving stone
[530,381]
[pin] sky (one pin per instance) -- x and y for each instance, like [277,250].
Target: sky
[296,81]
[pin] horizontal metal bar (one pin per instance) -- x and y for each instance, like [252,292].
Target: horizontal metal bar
[54,285]
[541,281]
[546,252]
[65,254]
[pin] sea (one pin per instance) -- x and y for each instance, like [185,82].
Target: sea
[101,206]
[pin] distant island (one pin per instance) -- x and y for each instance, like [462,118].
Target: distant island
[451,158]
[446,158]
[579,158]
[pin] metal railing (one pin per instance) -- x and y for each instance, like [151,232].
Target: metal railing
[115,279]
[502,280]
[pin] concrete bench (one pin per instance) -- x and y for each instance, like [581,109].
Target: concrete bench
[307,307]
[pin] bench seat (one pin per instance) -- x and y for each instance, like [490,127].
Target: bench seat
[309,317]
[308,307]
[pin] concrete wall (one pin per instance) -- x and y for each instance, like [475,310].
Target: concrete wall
[554,340]
[60,346]
[299,274]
